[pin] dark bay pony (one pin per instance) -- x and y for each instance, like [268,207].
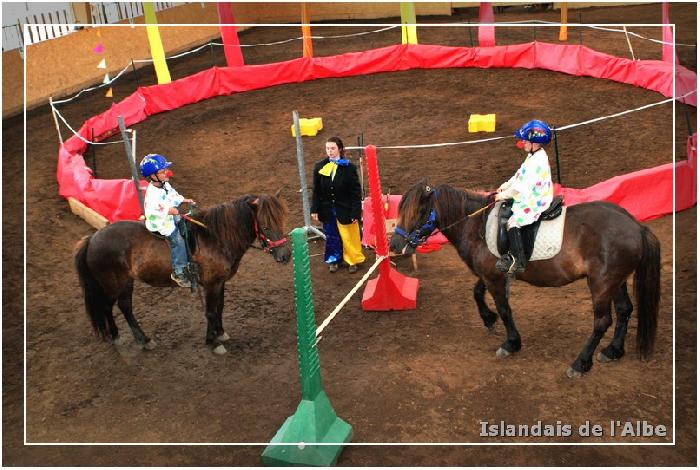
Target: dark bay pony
[111,259]
[602,242]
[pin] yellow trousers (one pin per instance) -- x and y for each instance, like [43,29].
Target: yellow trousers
[352,246]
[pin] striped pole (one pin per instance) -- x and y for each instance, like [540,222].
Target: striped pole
[391,290]
[315,420]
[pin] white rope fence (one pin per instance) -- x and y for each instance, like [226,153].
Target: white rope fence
[600,28]
[347,298]
[284,41]
[211,43]
[101,85]
[568,126]
[80,136]
[362,33]
[441,144]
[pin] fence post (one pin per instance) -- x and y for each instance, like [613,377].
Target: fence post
[556,154]
[302,178]
[315,420]
[55,119]
[132,163]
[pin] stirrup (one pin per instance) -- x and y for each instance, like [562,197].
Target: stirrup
[181,280]
[506,263]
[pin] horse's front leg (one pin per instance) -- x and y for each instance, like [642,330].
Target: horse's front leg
[213,314]
[223,336]
[498,290]
[487,315]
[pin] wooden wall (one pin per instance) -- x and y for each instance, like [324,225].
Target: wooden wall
[63,66]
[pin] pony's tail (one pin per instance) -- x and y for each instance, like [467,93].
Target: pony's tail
[647,280]
[97,304]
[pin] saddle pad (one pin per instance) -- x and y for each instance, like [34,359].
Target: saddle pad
[547,243]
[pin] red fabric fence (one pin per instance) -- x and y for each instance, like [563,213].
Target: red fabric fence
[116,199]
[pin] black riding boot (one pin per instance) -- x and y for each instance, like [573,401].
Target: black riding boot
[517,250]
[514,261]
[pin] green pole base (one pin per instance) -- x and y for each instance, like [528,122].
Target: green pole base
[314,422]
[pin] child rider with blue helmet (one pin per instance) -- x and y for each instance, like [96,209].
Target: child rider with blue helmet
[160,209]
[530,188]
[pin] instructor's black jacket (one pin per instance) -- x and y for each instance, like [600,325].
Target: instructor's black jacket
[343,192]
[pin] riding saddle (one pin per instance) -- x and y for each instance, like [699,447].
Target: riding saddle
[497,230]
[193,269]
[184,226]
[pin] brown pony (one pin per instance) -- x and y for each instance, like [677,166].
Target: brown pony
[602,242]
[109,260]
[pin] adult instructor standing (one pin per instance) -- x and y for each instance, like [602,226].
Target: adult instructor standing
[337,202]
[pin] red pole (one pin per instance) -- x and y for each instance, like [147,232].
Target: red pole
[229,35]
[375,193]
[391,290]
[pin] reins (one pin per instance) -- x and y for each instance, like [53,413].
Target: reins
[194,221]
[476,212]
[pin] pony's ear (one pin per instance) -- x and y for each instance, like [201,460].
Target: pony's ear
[424,184]
[254,203]
[427,189]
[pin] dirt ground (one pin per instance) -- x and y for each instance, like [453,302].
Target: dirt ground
[423,376]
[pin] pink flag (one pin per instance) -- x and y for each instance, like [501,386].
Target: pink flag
[98,49]
[487,34]
[229,35]
[666,36]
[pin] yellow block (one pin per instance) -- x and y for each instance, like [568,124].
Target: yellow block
[309,126]
[482,123]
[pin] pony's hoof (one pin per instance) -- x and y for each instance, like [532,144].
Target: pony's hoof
[603,358]
[224,337]
[118,341]
[151,345]
[502,353]
[220,350]
[573,374]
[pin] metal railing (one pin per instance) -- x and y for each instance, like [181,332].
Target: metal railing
[112,12]
[42,26]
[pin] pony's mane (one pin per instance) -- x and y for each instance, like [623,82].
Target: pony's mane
[451,204]
[230,225]
[455,203]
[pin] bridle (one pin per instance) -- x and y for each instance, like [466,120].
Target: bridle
[419,235]
[266,243]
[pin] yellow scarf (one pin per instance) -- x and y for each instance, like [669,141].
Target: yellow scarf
[328,169]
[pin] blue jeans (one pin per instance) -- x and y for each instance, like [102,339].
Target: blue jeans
[178,251]
[334,245]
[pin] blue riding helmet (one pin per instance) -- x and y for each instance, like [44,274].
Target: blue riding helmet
[153,163]
[537,132]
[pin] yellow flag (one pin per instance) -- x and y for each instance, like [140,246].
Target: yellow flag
[157,52]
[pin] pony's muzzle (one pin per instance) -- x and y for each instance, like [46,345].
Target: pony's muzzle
[282,254]
[400,245]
